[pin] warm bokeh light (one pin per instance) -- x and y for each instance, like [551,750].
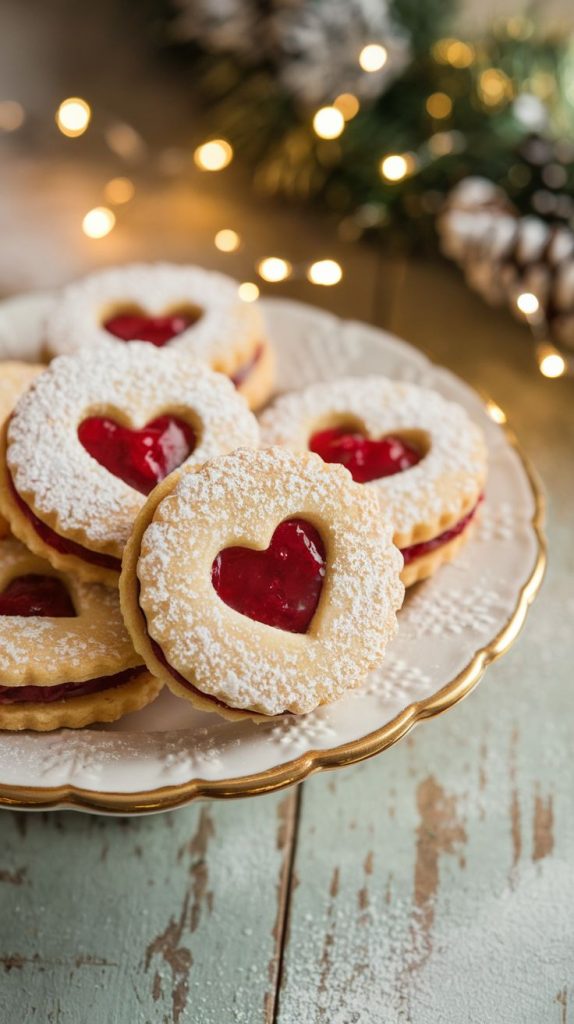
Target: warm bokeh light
[325,272]
[248,291]
[528,303]
[443,143]
[348,105]
[328,123]
[373,57]
[227,240]
[274,269]
[119,190]
[495,412]
[439,105]
[98,222]
[550,362]
[494,86]
[12,115]
[454,52]
[73,116]
[214,155]
[125,141]
[395,167]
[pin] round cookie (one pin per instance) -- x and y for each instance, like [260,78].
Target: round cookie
[65,656]
[264,583]
[15,377]
[186,308]
[96,434]
[419,453]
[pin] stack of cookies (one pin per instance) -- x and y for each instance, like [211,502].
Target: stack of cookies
[154,532]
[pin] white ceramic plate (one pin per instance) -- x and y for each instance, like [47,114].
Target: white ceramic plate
[450,627]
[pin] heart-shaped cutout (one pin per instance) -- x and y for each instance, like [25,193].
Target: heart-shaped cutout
[141,458]
[280,586]
[34,594]
[156,330]
[366,459]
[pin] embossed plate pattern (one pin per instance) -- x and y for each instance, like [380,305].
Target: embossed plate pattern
[451,626]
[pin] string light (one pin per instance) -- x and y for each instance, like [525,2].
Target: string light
[348,105]
[325,272]
[395,166]
[98,222]
[119,191]
[328,123]
[439,105]
[550,362]
[373,57]
[73,116]
[12,115]
[248,291]
[227,240]
[274,269]
[214,155]
[494,86]
[528,303]
[453,52]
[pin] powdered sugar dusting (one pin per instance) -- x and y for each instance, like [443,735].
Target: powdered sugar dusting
[240,499]
[44,650]
[57,477]
[441,484]
[226,326]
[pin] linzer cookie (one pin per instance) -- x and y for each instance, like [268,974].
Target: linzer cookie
[96,434]
[14,379]
[419,453]
[194,311]
[65,656]
[265,583]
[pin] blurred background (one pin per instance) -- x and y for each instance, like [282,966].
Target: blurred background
[286,141]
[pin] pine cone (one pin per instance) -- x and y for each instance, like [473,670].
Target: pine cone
[503,254]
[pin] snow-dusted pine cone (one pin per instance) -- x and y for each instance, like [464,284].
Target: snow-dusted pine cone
[503,254]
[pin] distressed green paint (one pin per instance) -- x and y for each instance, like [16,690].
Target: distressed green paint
[169,918]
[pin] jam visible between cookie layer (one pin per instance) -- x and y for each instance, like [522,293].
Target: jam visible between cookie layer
[63,691]
[141,458]
[281,586]
[33,595]
[65,547]
[242,372]
[418,550]
[365,458]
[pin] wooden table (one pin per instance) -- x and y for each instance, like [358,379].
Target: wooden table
[432,885]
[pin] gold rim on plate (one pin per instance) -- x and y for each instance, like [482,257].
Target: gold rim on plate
[168,797]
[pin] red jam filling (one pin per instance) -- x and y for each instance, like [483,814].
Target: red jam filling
[65,547]
[417,550]
[141,458]
[36,595]
[243,372]
[48,694]
[157,330]
[179,678]
[364,458]
[281,586]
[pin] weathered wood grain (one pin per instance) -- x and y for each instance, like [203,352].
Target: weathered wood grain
[175,918]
